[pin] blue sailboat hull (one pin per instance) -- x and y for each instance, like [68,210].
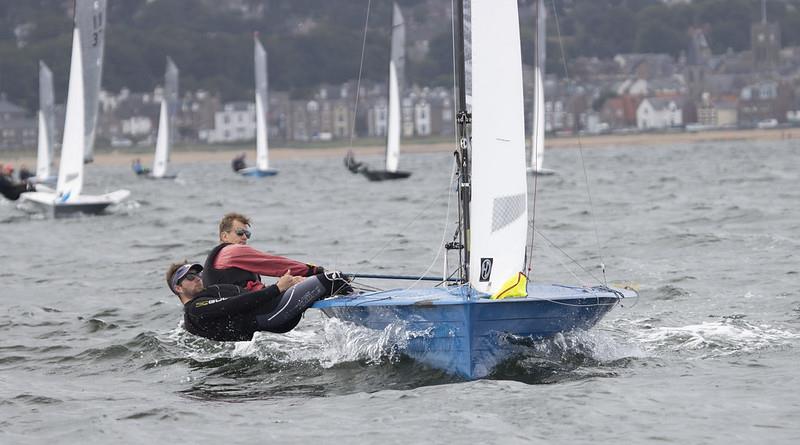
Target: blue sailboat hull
[467,334]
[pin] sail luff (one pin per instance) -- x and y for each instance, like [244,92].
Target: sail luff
[537,135]
[46,117]
[70,170]
[498,205]
[261,86]
[90,18]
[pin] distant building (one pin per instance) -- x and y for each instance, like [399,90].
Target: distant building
[659,113]
[620,112]
[765,100]
[235,123]
[717,112]
[16,129]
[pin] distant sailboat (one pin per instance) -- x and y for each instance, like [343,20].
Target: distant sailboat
[262,145]
[396,81]
[537,136]
[67,198]
[165,123]
[44,151]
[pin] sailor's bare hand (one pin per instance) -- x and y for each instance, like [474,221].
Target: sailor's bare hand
[285,282]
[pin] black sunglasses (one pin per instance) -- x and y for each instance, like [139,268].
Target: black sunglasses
[191,276]
[244,232]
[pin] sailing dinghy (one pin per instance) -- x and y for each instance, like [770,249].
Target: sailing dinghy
[457,326]
[169,103]
[262,145]
[83,86]
[537,136]
[396,77]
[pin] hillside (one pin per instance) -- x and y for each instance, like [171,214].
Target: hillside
[319,41]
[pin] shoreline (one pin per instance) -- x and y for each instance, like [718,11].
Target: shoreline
[226,153]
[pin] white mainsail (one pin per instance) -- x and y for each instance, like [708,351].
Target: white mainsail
[262,145]
[537,136]
[168,105]
[44,152]
[498,206]
[162,142]
[70,169]
[396,74]
[90,18]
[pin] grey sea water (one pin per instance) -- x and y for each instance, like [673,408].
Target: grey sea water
[91,349]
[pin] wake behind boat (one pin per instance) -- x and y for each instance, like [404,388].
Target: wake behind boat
[466,325]
[67,199]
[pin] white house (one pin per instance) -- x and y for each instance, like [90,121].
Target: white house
[659,112]
[235,123]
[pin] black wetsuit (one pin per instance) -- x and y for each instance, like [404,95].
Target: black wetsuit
[10,189]
[238,163]
[226,312]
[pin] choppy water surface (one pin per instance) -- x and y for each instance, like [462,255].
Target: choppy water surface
[91,348]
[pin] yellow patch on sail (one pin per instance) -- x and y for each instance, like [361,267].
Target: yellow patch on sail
[516,286]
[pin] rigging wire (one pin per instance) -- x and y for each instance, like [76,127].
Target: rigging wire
[444,228]
[352,135]
[529,250]
[580,149]
[360,71]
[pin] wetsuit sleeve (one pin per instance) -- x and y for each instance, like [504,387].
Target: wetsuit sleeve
[247,258]
[210,306]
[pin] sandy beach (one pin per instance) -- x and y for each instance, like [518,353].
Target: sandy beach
[225,154]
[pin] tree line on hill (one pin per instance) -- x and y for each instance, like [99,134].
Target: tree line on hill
[311,42]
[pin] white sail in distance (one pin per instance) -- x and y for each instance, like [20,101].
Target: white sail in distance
[498,206]
[262,106]
[165,121]
[537,135]
[396,79]
[70,169]
[46,115]
[90,18]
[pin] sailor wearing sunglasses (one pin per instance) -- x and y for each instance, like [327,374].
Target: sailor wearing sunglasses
[234,262]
